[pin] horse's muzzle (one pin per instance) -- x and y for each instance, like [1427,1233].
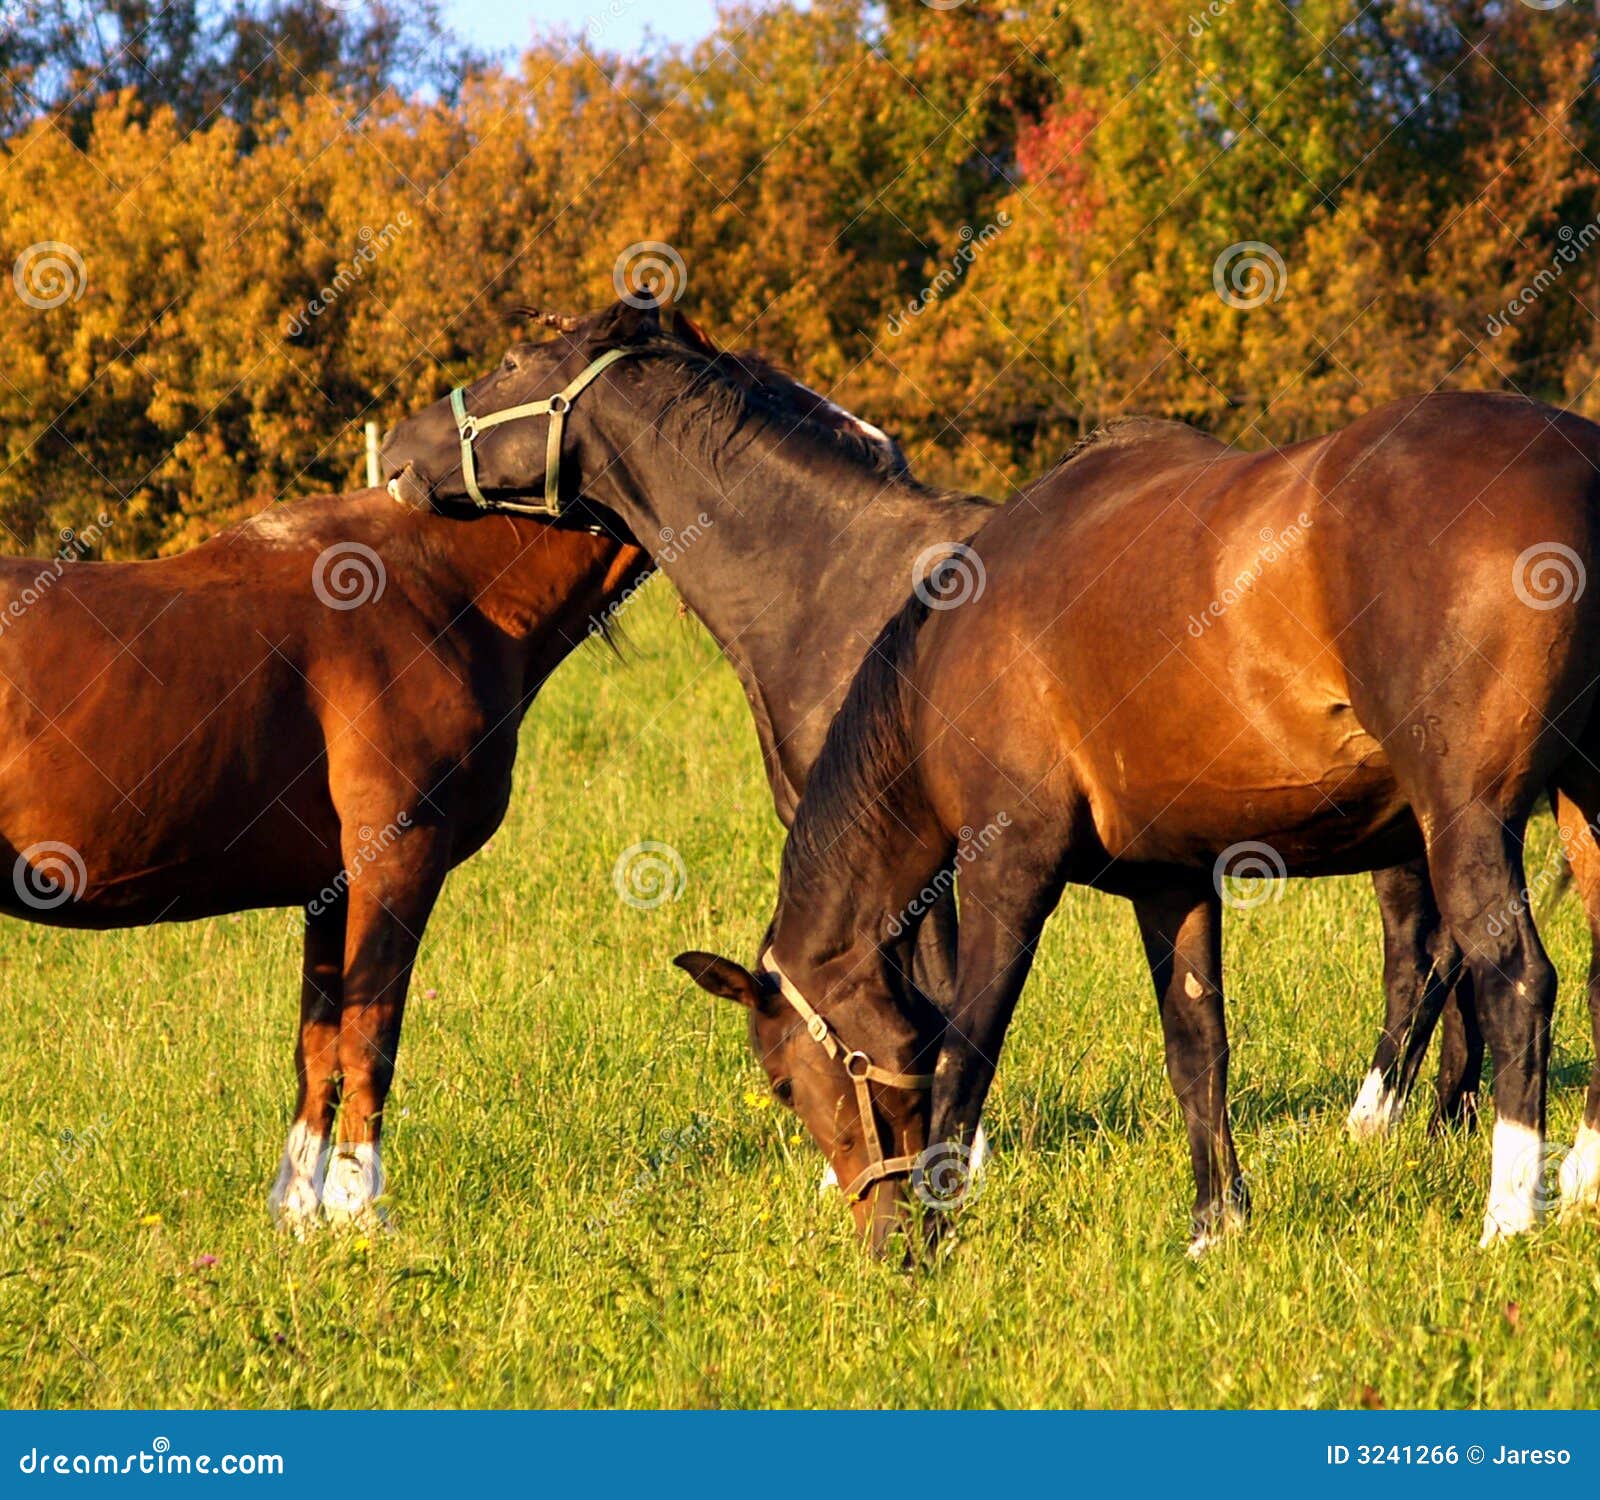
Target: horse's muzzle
[410,489]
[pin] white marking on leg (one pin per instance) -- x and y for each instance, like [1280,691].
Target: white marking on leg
[1192,986]
[1580,1171]
[1375,1111]
[296,1194]
[1515,1183]
[354,1183]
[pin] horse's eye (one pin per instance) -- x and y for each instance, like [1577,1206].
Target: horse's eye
[784,1089]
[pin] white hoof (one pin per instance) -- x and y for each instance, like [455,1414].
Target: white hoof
[353,1186]
[1375,1111]
[295,1199]
[1516,1187]
[1224,1227]
[1580,1172]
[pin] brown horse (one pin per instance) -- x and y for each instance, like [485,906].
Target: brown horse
[317,708]
[1417,661]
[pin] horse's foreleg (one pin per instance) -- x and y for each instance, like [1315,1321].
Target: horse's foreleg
[297,1193]
[1182,933]
[389,904]
[1419,966]
[1580,1168]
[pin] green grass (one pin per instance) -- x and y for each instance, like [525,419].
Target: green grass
[538,1083]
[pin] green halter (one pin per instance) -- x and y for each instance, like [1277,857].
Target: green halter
[555,407]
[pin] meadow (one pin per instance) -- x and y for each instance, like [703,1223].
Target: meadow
[594,1203]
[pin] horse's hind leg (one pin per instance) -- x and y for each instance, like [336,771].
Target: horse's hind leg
[1576,809]
[1460,1062]
[297,1193]
[389,902]
[1420,964]
[1476,860]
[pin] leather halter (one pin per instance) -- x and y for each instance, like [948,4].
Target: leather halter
[555,407]
[862,1072]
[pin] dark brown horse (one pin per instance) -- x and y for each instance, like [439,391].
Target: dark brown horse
[318,708]
[807,548]
[1418,662]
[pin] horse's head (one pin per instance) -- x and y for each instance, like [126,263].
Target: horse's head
[856,1089]
[520,438]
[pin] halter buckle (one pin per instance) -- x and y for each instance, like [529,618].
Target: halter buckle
[469,427]
[818,1028]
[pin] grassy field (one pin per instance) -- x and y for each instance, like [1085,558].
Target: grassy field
[594,1205]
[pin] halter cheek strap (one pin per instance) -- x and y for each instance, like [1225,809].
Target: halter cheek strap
[556,408]
[862,1072]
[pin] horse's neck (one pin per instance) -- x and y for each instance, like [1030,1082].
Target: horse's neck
[793,569]
[543,589]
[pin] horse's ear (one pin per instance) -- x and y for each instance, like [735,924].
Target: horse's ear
[722,976]
[627,321]
[691,332]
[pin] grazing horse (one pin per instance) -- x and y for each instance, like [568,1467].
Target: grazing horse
[810,545]
[320,708]
[1418,663]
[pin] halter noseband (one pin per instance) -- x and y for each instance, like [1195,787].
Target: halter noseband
[862,1071]
[555,407]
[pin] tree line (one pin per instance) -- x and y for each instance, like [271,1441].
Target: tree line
[235,231]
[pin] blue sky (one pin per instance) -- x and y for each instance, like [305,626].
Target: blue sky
[621,24]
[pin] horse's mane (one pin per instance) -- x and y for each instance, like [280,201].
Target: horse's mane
[1120,431]
[862,790]
[716,389]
